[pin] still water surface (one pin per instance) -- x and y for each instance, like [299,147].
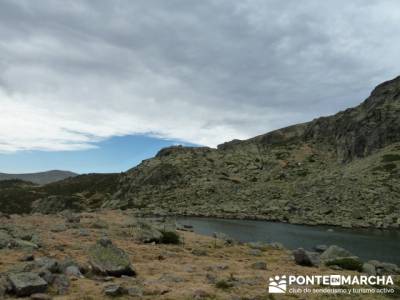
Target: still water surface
[383,245]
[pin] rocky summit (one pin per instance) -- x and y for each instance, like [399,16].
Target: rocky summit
[338,170]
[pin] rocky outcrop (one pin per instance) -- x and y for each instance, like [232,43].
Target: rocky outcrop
[26,284]
[306,258]
[339,170]
[107,259]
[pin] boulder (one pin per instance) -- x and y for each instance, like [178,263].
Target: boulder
[114,290]
[146,232]
[320,248]
[334,252]
[27,283]
[49,264]
[369,269]
[107,259]
[22,244]
[352,263]
[383,268]
[306,258]
[73,271]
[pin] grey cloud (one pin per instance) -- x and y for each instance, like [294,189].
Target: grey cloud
[221,69]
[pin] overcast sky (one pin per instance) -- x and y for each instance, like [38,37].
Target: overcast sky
[74,73]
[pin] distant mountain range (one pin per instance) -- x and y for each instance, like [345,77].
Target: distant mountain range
[40,177]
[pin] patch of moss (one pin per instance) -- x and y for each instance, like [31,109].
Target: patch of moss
[346,263]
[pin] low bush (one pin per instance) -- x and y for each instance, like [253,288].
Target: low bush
[223,284]
[390,157]
[170,237]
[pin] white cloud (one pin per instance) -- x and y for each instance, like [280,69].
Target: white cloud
[202,72]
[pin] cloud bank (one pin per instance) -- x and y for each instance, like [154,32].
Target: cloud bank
[73,73]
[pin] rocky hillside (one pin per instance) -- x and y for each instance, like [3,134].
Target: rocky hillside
[39,178]
[338,170]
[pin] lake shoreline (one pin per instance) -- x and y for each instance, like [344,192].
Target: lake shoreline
[266,219]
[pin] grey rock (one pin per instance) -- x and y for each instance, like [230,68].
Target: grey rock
[146,232]
[107,259]
[26,284]
[22,244]
[40,297]
[73,271]
[320,248]
[28,257]
[369,269]
[47,263]
[258,245]
[46,275]
[383,268]
[22,267]
[306,258]
[114,290]
[334,252]
[135,291]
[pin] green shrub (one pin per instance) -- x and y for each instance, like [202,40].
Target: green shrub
[223,284]
[347,263]
[170,237]
[390,157]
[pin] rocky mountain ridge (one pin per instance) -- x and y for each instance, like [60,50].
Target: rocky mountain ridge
[338,170]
